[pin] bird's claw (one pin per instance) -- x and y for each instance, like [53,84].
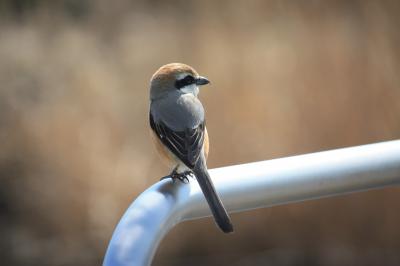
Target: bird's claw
[183,177]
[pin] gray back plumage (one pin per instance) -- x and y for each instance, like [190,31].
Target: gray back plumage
[178,111]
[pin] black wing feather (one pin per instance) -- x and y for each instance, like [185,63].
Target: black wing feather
[186,145]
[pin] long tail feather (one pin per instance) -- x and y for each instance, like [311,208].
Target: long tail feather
[217,208]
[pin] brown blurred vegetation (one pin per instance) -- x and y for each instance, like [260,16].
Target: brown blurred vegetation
[288,77]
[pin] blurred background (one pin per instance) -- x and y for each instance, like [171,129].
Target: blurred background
[294,77]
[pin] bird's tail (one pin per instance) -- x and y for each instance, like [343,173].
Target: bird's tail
[218,210]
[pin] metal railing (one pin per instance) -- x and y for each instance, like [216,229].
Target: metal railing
[250,186]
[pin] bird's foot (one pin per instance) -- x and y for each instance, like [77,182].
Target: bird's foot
[183,177]
[165,177]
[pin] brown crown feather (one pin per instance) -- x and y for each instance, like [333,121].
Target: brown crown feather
[171,70]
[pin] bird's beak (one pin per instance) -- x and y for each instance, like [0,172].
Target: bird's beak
[202,81]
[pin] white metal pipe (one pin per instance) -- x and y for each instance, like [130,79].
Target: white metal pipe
[250,186]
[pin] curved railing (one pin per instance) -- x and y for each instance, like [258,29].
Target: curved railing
[249,186]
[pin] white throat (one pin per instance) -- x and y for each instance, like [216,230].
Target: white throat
[192,88]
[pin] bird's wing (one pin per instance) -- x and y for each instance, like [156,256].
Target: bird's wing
[186,145]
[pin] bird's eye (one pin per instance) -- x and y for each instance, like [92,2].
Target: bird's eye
[188,80]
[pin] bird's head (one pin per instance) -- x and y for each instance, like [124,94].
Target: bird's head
[175,78]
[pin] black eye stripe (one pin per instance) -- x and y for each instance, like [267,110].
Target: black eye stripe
[184,82]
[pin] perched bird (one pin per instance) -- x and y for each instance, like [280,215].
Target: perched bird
[179,130]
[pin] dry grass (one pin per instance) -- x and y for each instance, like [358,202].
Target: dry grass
[292,77]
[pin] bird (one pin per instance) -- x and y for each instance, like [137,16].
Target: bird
[178,130]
